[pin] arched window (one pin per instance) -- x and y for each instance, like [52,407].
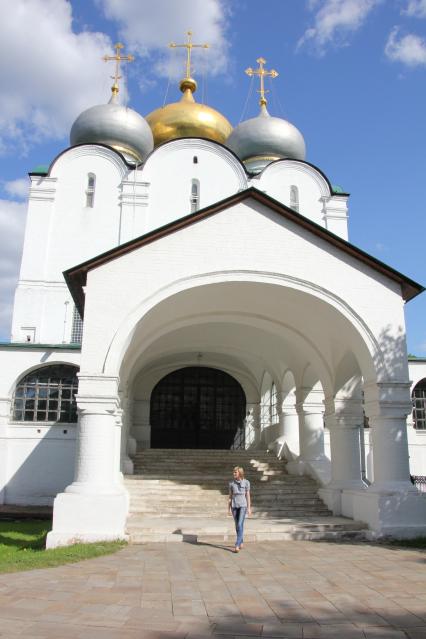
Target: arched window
[195,195]
[419,405]
[90,191]
[294,198]
[47,395]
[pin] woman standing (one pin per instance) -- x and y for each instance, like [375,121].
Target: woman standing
[239,503]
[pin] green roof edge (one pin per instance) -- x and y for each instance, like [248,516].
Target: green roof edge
[34,346]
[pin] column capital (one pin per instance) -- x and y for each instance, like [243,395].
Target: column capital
[388,410]
[310,408]
[288,410]
[100,405]
[97,394]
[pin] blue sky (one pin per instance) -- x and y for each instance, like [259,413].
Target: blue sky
[352,79]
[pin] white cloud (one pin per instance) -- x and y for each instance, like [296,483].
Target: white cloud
[18,189]
[409,49]
[335,20]
[148,27]
[49,72]
[12,225]
[416,8]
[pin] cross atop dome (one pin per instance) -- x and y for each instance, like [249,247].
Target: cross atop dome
[262,73]
[118,59]
[188,82]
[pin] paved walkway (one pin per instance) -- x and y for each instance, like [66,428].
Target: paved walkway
[293,589]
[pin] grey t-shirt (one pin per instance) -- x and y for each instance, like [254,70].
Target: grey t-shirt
[238,489]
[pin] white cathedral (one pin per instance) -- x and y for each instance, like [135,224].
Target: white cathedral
[189,285]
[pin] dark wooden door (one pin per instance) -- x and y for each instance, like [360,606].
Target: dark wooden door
[197,407]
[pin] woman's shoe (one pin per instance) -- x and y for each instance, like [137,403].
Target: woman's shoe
[236,549]
[241,546]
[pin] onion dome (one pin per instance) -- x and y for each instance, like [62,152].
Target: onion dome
[187,118]
[265,138]
[114,124]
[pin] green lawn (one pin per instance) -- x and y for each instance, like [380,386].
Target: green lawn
[22,547]
[418,542]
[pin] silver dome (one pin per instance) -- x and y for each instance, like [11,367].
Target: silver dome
[263,139]
[116,125]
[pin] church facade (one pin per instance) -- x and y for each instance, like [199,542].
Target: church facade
[188,285]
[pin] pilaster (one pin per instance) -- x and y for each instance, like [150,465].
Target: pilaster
[133,202]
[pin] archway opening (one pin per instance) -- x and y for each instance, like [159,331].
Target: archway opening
[198,407]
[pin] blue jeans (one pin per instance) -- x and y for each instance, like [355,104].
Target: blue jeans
[239,514]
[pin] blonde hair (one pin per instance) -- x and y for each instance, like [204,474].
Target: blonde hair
[240,470]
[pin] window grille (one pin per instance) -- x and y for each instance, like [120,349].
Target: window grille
[77,327]
[47,395]
[294,198]
[195,195]
[90,191]
[419,405]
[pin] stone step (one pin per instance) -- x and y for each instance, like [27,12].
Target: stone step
[191,476]
[152,469]
[166,500]
[143,480]
[192,485]
[222,531]
[292,510]
[210,452]
[266,515]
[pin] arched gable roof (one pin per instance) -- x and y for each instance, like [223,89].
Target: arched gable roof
[76,276]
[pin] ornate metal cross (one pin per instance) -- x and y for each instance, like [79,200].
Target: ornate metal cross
[118,59]
[262,73]
[188,46]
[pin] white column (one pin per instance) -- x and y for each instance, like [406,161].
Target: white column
[252,432]
[290,429]
[344,418]
[312,459]
[126,463]
[387,406]
[391,506]
[141,429]
[311,425]
[94,506]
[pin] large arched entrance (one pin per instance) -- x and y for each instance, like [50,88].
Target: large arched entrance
[197,407]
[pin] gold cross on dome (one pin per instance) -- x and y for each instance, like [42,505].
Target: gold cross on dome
[262,73]
[188,46]
[118,58]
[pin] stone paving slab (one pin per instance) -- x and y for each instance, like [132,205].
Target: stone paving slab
[292,589]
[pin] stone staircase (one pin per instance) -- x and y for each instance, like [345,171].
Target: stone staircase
[178,495]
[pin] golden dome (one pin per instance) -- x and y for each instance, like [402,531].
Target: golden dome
[187,118]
